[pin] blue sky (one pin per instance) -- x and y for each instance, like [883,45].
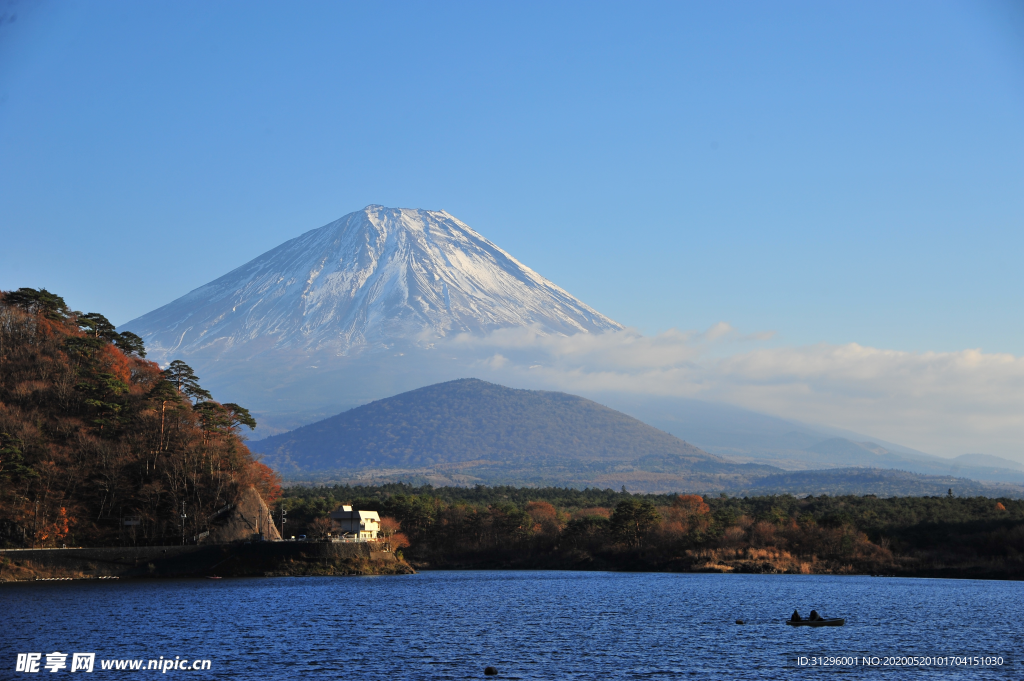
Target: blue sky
[834,172]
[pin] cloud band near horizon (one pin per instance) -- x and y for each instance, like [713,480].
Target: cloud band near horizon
[945,403]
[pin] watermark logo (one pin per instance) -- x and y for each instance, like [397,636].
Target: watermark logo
[28,662]
[33,663]
[82,662]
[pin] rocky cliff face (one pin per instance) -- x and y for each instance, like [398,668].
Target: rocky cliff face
[247,519]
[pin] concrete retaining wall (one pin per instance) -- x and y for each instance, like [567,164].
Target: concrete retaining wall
[237,559]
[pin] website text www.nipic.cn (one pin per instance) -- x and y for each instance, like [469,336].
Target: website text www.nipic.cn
[31,663]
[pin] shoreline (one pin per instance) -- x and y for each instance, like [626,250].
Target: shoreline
[420,569]
[210,560]
[276,559]
[899,567]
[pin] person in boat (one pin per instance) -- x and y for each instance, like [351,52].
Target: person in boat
[815,616]
[796,617]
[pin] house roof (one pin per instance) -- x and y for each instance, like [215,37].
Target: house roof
[348,514]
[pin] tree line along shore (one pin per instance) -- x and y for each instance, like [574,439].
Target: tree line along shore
[557,528]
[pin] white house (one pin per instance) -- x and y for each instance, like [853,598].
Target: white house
[356,524]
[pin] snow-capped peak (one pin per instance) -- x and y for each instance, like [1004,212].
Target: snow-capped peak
[369,279]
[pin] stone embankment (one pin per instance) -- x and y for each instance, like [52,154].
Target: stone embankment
[238,559]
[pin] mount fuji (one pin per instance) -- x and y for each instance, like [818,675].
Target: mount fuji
[356,310]
[385,301]
[363,281]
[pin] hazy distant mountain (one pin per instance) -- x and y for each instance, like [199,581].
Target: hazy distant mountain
[746,436]
[840,447]
[717,428]
[880,482]
[989,461]
[841,452]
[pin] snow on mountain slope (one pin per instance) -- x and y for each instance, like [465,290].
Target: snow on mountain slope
[369,279]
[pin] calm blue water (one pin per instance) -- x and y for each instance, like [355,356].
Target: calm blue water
[530,625]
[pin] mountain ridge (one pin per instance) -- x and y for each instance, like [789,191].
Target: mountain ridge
[469,420]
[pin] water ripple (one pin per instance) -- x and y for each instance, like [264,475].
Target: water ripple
[530,625]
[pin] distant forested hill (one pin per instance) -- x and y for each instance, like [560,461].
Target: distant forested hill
[876,481]
[472,420]
[471,432]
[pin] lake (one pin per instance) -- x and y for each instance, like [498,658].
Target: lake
[529,625]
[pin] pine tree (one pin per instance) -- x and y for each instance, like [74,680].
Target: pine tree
[633,519]
[185,380]
[97,326]
[42,301]
[128,343]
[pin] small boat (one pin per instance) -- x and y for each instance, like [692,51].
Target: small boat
[826,622]
[212,577]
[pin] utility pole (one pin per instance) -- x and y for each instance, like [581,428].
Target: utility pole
[183,516]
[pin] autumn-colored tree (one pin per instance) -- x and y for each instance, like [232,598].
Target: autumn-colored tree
[593,511]
[54,530]
[691,505]
[266,481]
[545,518]
[688,514]
[389,529]
[762,534]
[398,542]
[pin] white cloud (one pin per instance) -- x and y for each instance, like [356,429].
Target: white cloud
[945,403]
